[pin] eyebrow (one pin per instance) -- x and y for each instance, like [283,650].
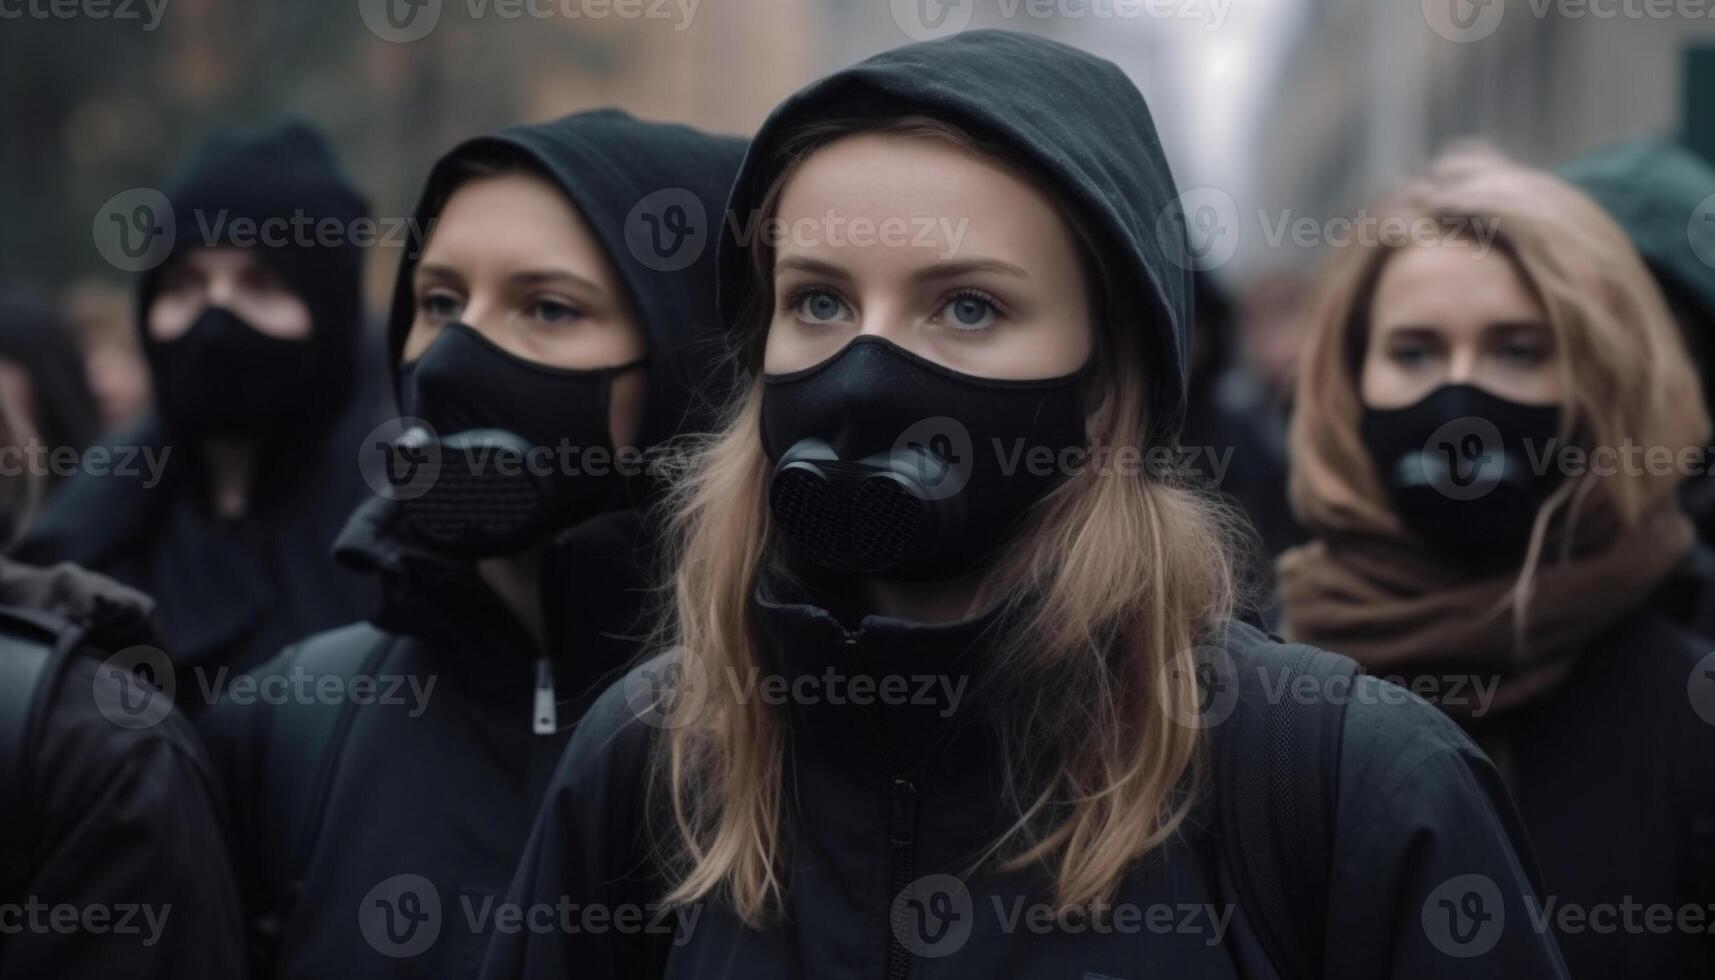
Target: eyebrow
[815,267]
[528,277]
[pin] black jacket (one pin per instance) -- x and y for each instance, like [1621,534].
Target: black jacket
[1414,812]
[440,774]
[448,792]
[125,820]
[1614,775]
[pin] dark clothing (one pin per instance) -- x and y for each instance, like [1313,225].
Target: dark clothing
[448,792]
[442,779]
[230,593]
[126,818]
[1614,775]
[1414,811]
[36,338]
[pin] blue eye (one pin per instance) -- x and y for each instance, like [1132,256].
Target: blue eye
[818,306]
[440,306]
[554,312]
[970,311]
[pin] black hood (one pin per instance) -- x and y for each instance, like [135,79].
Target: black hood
[1076,117]
[34,335]
[615,169]
[286,174]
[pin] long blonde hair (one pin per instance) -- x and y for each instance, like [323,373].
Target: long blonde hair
[1624,366]
[1125,575]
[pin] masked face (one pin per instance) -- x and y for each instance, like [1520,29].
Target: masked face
[223,377]
[1466,470]
[909,382]
[522,356]
[520,444]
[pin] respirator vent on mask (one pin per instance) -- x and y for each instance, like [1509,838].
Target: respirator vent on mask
[863,518]
[485,499]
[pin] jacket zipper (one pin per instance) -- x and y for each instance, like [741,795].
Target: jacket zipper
[902,839]
[544,716]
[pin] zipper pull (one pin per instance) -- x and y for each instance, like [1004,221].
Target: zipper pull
[545,719]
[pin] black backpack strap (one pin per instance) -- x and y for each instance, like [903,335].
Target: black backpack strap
[302,751]
[32,646]
[1277,783]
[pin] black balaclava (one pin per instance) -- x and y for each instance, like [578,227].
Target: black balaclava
[633,182]
[278,190]
[864,444]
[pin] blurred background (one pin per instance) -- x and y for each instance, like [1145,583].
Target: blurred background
[1281,109]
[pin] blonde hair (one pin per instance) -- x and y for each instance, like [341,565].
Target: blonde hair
[1125,575]
[1624,367]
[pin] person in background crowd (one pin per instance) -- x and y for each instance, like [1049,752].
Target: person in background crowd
[1233,430]
[1454,409]
[856,525]
[239,481]
[111,855]
[547,319]
[42,382]
[1657,191]
[102,316]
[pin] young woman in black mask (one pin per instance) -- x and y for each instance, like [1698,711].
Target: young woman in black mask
[224,503]
[1489,437]
[933,709]
[543,340]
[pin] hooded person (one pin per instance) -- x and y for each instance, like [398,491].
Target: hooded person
[930,702]
[111,854]
[550,336]
[224,503]
[1655,190]
[39,356]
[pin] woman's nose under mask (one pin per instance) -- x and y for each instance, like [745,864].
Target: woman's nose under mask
[890,465]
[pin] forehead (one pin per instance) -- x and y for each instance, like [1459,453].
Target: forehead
[216,258]
[507,217]
[1452,284]
[930,187]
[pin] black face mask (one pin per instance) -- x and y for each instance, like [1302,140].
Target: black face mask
[1457,466]
[890,465]
[222,377]
[518,448]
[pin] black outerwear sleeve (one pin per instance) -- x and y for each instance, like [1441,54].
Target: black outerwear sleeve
[130,826]
[1432,871]
[587,849]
